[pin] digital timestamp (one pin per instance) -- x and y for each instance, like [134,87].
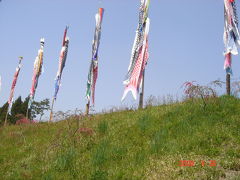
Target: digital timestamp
[189,163]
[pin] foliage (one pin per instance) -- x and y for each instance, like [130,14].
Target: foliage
[193,91]
[19,109]
[3,111]
[235,88]
[60,115]
[102,127]
[145,144]
[38,108]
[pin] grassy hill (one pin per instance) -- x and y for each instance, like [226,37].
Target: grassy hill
[145,144]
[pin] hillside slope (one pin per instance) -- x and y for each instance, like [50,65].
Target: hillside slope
[145,144]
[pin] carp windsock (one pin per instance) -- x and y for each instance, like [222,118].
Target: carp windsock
[15,78]
[62,62]
[139,57]
[231,33]
[93,71]
[37,70]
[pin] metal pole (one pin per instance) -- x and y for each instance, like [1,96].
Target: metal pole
[142,93]
[228,84]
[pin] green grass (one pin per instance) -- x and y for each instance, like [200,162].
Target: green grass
[144,144]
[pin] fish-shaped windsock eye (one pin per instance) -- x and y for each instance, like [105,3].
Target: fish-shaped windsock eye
[42,41]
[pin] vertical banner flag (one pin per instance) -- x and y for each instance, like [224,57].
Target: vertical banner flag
[231,33]
[37,70]
[61,65]
[139,56]
[62,62]
[93,71]
[15,78]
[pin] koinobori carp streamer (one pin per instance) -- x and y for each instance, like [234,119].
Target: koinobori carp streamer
[15,78]
[93,71]
[37,70]
[140,55]
[231,33]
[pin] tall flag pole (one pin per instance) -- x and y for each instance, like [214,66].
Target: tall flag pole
[93,71]
[15,78]
[134,79]
[61,65]
[37,70]
[231,38]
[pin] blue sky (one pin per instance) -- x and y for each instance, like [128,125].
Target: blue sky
[185,42]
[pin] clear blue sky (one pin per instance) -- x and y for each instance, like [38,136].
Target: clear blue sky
[185,44]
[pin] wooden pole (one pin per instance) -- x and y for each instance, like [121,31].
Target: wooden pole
[142,93]
[228,84]
[87,108]
[51,113]
[6,117]
[27,114]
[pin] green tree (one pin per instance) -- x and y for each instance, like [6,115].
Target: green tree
[3,111]
[16,110]
[19,109]
[25,106]
[38,108]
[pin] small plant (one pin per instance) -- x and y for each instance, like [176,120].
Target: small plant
[158,141]
[235,88]
[100,155]
[65,159]
[192,90]
[99,175]
[86,131]
[118,152]
[140,158]
[103,127]
[143,123]
[151,101]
